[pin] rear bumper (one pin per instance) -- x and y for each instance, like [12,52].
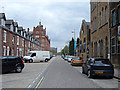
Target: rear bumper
[77,64]
[105,73]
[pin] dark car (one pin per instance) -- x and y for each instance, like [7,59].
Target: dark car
[12,63]
[98,67]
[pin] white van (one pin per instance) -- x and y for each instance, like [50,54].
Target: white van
[37,56]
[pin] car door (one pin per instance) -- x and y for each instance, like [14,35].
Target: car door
[12,63]
[5,66]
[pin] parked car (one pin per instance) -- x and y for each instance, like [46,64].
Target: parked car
[12,63]
[37,56]
[65,58]
[77,61]
[98,67]
[69,58]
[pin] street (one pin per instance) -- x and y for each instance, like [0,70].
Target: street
[60,74]
[56,73]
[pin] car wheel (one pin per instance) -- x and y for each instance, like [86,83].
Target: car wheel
[30,61]
[46,60]
[89,74]
[18,69]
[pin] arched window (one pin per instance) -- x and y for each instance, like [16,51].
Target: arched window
[37,32]
[101,46]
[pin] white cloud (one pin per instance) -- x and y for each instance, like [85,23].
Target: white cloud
[60,18]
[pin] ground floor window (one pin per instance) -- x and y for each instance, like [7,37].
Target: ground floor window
[118,45]
[17,51]
[12,52]
[4,50]
[8,50]
[113,45]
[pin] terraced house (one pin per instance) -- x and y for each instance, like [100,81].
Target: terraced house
[84,40]
[14,40]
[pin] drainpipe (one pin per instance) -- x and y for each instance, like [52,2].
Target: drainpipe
[109,30]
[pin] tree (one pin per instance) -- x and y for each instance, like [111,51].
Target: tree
[71,47]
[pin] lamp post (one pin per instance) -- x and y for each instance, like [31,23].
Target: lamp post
[74,41]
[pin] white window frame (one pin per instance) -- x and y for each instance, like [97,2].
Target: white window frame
[12,52]
[8,49]
[2,22]
[4,50]
[23,42]
[17,40]
[17,51]
[5,35]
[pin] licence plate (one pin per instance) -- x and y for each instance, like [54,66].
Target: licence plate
[99,72]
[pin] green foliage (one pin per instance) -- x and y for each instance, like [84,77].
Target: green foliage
[71,47]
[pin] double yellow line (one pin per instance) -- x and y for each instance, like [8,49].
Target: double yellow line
[39,83]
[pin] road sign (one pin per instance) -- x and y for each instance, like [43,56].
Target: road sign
[118,30]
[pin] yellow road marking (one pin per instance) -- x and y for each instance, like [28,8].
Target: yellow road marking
[39,83]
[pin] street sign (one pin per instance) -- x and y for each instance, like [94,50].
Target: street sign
[118,30]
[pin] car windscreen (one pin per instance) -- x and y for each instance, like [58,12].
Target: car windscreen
[77,58]
[29,54]
[103,61]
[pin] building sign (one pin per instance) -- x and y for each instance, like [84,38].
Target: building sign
[118,30]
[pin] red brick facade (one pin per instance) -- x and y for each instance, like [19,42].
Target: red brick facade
[40,34]
[14,40]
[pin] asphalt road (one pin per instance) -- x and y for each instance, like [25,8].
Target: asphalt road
[60,74]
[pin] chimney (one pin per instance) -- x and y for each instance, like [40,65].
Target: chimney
[27,29]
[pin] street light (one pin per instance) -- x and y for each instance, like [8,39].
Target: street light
[74,41]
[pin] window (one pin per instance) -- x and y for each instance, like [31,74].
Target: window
[37,36]
[2,22]
[100,18]
[95,49]
[17,40]
[17,51]
[101,48]
[119,14]
[12,52]
[11,27]
[106,12]
[13,40]
[8,51]
[113,46]
[37,32]
[84,44]
[23,42]
[4,39]
[113,18]
[4,50]
[103,17]
[118,45]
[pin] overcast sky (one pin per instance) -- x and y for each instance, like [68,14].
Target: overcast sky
[60,17]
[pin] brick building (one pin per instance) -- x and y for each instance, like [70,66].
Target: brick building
[40,34]
[84,40]
[14,40]
[115,32]
[99,30]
